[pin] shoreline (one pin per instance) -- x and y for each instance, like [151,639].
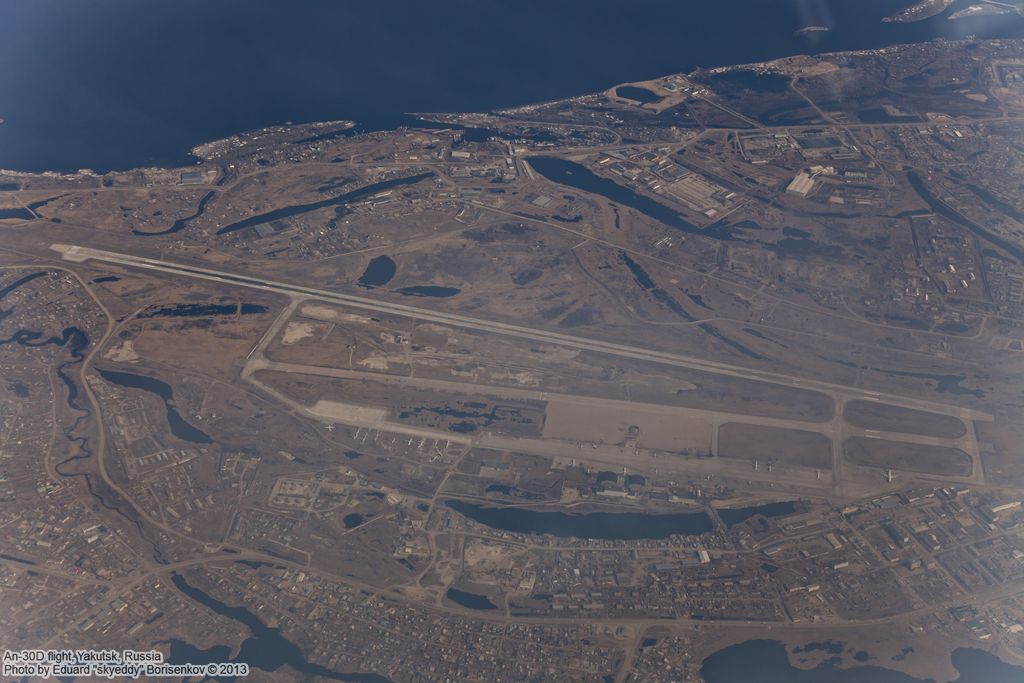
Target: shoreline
[787,64]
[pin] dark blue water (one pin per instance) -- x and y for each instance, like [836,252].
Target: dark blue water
[119,83]
[19,213]
[622,526]
[353,519]
[571,174]
[470,600]
[76,341]
[733,516]
[978,666]
[946,211]
[378,272]
[180,224]
[944,384]
[266,650]
[201,310]
[179,427]
[639,94]
[20,282]
[995,202]
[766,661]
[299,209]
[434,291]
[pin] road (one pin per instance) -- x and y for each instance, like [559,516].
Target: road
[126,584]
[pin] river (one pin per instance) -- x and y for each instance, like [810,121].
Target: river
[76,341]
[116,84]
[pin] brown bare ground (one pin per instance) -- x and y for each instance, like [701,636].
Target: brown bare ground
[779,444]
[889,418]
[907,456]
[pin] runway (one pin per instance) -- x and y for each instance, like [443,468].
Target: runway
[80,254]
[843,477]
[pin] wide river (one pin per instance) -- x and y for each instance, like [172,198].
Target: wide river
[114,84]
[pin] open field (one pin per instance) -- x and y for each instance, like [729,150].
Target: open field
[349,412]
[655,427]
[889,418]
[778,444]
[447,352]
[907,456]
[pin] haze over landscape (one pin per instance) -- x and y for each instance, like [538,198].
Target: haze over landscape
[489,341]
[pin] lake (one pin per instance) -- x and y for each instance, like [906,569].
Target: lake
[177,424]
[378,272]
[470,600]
[434,291]
[266,649]
[572,174]
[766,661]
[299,209]
[733,516]
[115,84]
[620,526]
